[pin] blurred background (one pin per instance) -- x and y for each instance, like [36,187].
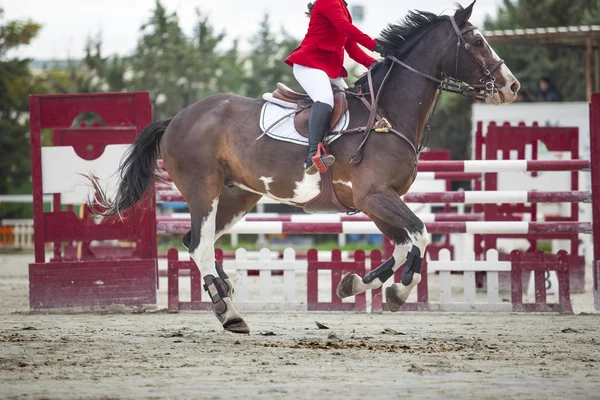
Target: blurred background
[181,51]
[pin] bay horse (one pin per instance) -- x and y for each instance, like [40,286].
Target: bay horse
[212,154]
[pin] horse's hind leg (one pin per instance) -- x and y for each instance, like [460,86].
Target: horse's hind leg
[409,235]
[203,203]
[234,204]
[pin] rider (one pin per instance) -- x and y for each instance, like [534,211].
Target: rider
[318,63]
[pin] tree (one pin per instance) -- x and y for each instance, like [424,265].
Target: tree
[109,73]
[15,84]
[451,126]
[266,61]
[159,62]
[452,123]
[529,63]
[178,70]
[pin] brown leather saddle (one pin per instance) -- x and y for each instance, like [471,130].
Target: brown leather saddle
[304,103]
[327,200]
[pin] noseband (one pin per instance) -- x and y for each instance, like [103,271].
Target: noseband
[487,81]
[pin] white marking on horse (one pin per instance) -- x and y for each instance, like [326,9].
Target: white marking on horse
[307,189]
[234,220]
[504,70]
[420,239]
[341,182]
[269,195]
[204,254]
[267,181]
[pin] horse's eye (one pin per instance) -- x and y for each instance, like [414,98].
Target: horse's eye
[478,43]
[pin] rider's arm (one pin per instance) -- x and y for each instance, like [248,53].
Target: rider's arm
[357,54]
[334,12]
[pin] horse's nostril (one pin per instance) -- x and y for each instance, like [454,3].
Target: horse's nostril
[515,87]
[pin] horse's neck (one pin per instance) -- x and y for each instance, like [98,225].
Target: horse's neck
[407,97]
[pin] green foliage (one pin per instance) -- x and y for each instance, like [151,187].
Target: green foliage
[266,60]
[451,126]
[179,70]
[15,85]
[565,65]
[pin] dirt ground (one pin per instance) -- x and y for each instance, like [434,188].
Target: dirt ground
[187,355]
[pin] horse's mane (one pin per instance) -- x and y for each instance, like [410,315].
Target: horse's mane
[397,39]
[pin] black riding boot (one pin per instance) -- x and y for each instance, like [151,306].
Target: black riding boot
[318,127]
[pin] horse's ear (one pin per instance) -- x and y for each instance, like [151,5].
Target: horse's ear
[463,15]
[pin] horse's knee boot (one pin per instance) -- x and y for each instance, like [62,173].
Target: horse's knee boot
[218,290]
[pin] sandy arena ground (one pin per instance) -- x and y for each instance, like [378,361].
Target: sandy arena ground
[188,356]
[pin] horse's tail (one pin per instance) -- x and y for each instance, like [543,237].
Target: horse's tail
[137,172]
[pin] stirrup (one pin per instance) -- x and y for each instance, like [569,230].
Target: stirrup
[326,160]
[320,161]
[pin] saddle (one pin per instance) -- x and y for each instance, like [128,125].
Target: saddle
[327,200]
[303,104]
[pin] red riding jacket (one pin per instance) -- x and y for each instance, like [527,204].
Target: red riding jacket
[330,31]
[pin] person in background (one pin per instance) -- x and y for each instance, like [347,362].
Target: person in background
[548,93]
[523,97]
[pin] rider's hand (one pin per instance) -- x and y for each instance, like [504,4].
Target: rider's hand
[379,48]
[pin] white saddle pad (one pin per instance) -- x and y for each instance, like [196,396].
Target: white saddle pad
[277,110]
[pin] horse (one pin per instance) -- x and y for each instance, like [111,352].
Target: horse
[212,154]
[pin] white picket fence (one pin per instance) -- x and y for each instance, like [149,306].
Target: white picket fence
[445,266]
[266,300]
[267,292]
[22,234]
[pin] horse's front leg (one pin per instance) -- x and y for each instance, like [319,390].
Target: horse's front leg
[409,235]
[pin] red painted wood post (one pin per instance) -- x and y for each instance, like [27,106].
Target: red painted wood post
[173,280]
[195,284]
[539,279]
[376,300]
[36,178]
[595,161]
[361,299]
[312,280]
[336,276]
[423,288]
[563,276]
[516,281]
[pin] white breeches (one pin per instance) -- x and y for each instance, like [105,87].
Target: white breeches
[317,84]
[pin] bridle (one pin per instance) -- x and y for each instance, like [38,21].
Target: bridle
[487,86]
[487,81]
[482,91]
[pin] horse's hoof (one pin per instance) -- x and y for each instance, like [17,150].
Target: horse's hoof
[347,285]
[236,325]
[393,297]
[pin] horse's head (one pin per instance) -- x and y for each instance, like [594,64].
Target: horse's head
[473,61]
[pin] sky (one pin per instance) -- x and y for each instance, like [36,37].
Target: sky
[67,23]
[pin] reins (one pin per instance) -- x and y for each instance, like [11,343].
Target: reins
[485,89]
